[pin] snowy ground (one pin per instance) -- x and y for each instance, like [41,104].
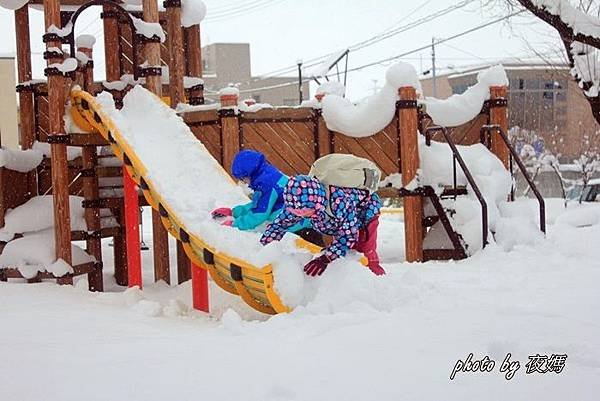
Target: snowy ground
[361,338]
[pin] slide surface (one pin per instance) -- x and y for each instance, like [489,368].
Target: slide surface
[182,181]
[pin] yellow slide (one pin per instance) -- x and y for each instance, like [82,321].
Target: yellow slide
[254,284]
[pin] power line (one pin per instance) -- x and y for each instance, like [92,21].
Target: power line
[378,62]
[374,39]
[243,11]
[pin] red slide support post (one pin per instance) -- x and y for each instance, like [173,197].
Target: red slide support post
[199,288]
[132,230]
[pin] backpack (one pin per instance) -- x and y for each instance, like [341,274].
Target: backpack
[344,170]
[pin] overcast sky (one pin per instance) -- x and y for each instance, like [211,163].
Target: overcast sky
[282,31]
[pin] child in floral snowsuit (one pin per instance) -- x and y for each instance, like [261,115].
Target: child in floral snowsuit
[351,218]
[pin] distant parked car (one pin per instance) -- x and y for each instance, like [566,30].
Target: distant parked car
[591,192]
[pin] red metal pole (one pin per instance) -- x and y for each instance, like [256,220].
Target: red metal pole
[199,288]
[132,230]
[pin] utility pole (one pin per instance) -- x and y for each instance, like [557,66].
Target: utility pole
[299,62]
[433,83]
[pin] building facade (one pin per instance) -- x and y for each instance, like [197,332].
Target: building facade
[543,100]
[229,63]
[9,132]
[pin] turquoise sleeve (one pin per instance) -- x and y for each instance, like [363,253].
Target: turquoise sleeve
[241,210]
[251,220]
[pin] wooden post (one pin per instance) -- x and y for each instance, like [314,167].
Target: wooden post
[26,113]
[26,117]
[91,191]
[120,249]
[177,95]
[230,128]
[194,61]
[499,115]
[58,148]
[160,238]
[199,288]
[132,231]
[177,61]
[409,156]
[111,44]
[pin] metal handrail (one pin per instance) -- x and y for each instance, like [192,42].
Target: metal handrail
[514,155]
[457,157]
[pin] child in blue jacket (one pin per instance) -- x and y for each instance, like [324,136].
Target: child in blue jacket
[267,182]
[349,215]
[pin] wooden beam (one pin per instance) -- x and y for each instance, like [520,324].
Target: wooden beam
[409,160]
[499,115]
[177,95]
[194,57]
[111,44]
[160,238]
[230,130]
[60,176]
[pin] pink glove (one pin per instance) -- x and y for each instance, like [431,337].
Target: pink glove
[376,268]
[227,222]
[221,212]
[317,266]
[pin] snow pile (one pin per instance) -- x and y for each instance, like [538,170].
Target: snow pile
[85,41]
[22,161]
[578,20]
[148,29]
[459,109]
[374,113]
[492,179]
[35,253]
[229,91]
[67,65]
[250,107]
[73,152]
[13,4]
[192,12]
[37,214]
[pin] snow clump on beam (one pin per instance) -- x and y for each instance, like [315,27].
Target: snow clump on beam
[373,113]
[192,12]
[22,161]
[459,109]
[148,29]
[85,41]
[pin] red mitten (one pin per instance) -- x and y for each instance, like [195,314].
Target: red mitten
[317,266]
[221,212]
[376,268]
[227,222]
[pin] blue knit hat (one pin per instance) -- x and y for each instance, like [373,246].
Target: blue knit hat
[303,191]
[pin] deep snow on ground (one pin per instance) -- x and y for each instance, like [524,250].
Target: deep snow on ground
[361,337]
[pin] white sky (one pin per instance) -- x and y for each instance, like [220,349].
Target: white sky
[283,31]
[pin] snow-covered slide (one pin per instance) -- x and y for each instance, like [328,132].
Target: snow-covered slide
[181,180]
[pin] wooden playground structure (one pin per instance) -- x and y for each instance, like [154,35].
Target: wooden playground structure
[291,138]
